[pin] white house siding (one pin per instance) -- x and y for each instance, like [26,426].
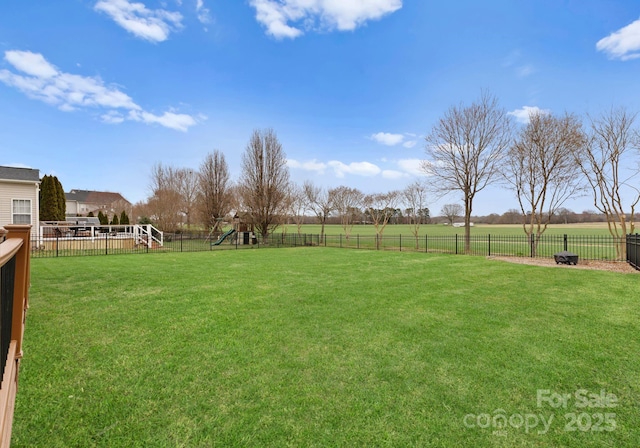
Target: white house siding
[72,208]
[15,189]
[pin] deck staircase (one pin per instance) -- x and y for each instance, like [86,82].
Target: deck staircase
[147,235]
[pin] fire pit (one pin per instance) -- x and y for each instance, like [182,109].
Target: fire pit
[565,257]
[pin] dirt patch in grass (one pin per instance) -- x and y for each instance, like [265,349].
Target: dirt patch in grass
[613,266]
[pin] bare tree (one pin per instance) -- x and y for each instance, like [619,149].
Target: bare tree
[464,151]
[164,205]
[541,168]
[451,212]
[187,185]
[264,181]
[320,201]
[215,190]
[611,174]
[381,207]
[285,217]
[415,198]
[347,202]
[297,206]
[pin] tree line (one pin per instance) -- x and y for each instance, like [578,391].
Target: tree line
[552,158]
[265,197]
[549,160]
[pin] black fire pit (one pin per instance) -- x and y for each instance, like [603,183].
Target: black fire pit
[565,257]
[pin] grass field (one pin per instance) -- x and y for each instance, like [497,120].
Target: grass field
[326,347]
[439,229]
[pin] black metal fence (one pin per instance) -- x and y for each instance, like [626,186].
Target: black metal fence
[587,247]
[114,243]
[633,241]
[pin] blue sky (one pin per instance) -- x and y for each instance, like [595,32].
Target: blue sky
[97,91]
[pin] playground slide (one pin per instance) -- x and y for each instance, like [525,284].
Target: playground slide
[223,237]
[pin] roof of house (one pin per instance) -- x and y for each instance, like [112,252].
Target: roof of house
[94,197]
[11,173]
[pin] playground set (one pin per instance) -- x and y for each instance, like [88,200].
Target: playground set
[242,233]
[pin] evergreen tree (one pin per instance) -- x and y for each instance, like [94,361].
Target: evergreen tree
[61,200]
[124,219]
[48,200]
[104,220]
[90,215]
[114,221]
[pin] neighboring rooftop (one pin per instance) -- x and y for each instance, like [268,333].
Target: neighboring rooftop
[26,174]
[93,197]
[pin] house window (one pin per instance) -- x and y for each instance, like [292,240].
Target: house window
[22,211]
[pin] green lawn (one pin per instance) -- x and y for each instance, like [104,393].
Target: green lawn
[325,347]
[439,229]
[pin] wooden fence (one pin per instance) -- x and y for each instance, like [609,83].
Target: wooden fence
[14,300]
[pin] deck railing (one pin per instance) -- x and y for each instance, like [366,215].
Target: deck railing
[14,300]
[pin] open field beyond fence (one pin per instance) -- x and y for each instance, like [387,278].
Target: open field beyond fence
[589,242]
[321,347]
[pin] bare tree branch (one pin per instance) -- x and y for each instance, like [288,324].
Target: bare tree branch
[215,190]
[465,149]
[541,168]
[264,182]
[607,166]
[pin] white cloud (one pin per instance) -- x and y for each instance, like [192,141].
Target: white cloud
[522,115]
[340,169]
[525,70]
[410,143]
[154,25]
[31,63]
[388,139]
[42,81]
[411,166]
[311,165]
[515,61]
[282,18]
[204,15]
[356,168]
[623,44]
[393,174]
[112,117]
[179,122]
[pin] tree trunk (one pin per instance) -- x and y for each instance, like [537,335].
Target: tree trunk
[467,225]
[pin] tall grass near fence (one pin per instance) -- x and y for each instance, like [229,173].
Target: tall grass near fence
[322,347]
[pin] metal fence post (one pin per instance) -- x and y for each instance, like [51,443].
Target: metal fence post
[401,242]
[106,243]
[425,244]
[456,244]
[533,245]
[489,243]
[565,242]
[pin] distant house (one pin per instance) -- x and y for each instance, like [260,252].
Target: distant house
[82,202]
[19,196]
